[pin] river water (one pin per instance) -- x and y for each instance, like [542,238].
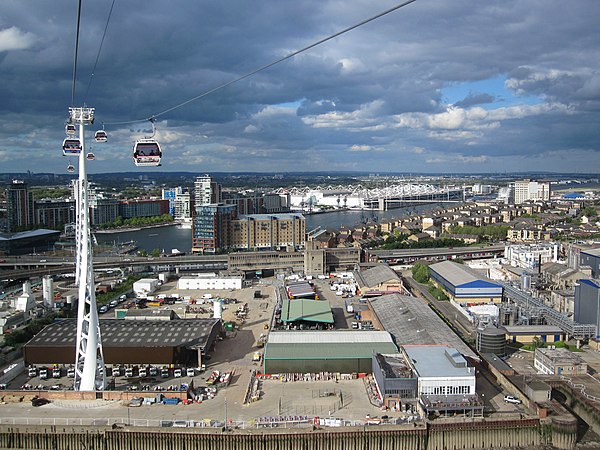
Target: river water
[172,237]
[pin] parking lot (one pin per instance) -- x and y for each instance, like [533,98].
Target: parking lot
[235,354]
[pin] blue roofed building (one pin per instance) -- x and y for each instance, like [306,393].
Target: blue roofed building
[574,196]
[587,303]
[591,258]
[464,285]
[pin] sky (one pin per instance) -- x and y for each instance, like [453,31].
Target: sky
[438,86]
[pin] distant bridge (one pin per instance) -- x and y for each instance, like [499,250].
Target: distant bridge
[378,198]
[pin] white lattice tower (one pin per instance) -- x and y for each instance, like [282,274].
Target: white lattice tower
[89,363]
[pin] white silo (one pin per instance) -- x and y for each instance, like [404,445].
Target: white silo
[48,290]
[217,309]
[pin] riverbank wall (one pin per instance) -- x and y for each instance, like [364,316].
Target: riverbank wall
[457,435]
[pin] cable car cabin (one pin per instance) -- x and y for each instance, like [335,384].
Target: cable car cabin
[70,129]
[90,156]
[71,146]
[146,153]
[70,168]
[101,136]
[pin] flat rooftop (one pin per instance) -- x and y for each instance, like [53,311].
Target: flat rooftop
[438,361]
[191,333]
[394,366]
[533,329]
[283,345]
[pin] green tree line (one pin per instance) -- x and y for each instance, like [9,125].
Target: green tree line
[491,232]
[137,221]
[400,242]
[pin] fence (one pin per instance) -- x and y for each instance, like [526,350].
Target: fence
[261,422]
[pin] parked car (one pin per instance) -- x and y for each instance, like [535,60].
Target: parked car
[512,399]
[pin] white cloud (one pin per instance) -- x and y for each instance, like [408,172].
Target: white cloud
[14,39]
[360,148]
[457,123]
[366,117]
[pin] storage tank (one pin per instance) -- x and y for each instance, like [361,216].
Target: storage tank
[525,282]
[217,309]
[48,290]
[491,339]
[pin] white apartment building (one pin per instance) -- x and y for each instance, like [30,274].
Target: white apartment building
[525,190]
[206,190]
[531,256]
[182,206]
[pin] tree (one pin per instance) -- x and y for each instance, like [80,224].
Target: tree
[420,273]
[155,252]
[537,343]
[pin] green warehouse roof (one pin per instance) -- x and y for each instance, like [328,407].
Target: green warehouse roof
[307,310]
[328,344]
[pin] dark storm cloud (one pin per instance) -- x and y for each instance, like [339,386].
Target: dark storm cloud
[475,99]
[376,91]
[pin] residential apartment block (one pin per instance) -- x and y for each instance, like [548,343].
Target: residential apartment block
[19,206]
[268,232]
[531,190]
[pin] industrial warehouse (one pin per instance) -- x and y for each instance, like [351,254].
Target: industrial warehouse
[464,286]
[411,321]
[163,342]
[324,351]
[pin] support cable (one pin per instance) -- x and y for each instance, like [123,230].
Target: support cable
[99,50]
[76,52]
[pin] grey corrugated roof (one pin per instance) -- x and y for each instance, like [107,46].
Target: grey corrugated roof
[411,321]
[122,333]
[375,276]
[533,329]
[150,312]
[328,337]
[453,272]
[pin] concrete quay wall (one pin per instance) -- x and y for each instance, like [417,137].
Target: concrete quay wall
[444,436]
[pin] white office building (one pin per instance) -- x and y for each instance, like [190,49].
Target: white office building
[209,281]
[531,256]
[525,190]
[441,370]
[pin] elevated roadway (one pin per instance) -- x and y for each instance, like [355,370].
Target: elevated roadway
[14,267]
[409,256]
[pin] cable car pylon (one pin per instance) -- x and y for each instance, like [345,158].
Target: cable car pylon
[89,363]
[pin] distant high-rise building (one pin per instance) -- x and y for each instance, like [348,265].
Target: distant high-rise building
[206,191]
[54,213]
[183,207]
[19,206]
[525,190]
[143,208]
[171,194]
[211,231]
